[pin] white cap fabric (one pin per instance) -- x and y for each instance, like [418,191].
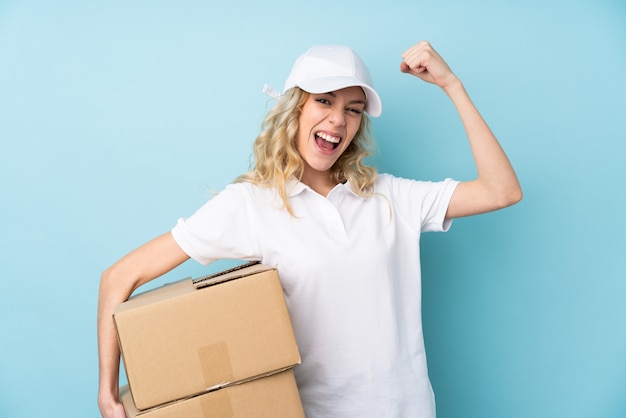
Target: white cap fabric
[326,68]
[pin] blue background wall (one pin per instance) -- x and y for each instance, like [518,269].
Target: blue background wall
[118,117]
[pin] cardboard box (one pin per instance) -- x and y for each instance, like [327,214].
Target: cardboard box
[178,341]
[274,396]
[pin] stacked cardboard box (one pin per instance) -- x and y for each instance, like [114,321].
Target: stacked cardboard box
[273,396]
[197,343]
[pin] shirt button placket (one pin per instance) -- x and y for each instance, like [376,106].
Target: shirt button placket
[335,223]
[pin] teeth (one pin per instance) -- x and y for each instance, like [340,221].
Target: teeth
[329,138]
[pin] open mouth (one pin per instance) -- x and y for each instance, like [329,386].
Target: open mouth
[327,142]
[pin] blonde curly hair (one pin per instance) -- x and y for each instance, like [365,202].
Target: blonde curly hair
[276,159]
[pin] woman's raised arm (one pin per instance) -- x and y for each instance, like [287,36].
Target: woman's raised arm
[496,185]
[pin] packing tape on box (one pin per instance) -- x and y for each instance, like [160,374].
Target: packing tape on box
[215,361]
[218,405]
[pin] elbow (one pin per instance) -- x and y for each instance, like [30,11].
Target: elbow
[106,278]
[518,195]
[116,283]
[510,197]
[108,283]
[109,277]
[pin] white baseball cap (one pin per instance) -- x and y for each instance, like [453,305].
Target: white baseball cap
[326,68]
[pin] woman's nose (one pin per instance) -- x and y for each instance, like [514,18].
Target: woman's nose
[337,116]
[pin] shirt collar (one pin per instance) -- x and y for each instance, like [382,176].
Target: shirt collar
[295,187]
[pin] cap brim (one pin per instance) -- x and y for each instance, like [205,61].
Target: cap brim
[373,105]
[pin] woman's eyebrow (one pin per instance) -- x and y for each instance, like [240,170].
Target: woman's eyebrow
[357,101]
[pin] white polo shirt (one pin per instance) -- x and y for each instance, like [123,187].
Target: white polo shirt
[350,269]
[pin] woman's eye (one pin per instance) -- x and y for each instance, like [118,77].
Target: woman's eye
[355,111]
[323,101]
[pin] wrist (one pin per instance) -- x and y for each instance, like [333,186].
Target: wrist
[108,393]
[453,87]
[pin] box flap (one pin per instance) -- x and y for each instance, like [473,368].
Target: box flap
[236,272]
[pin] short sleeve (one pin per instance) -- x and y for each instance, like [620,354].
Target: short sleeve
[222,228]
[422,204]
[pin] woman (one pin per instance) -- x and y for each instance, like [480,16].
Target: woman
[344,239]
